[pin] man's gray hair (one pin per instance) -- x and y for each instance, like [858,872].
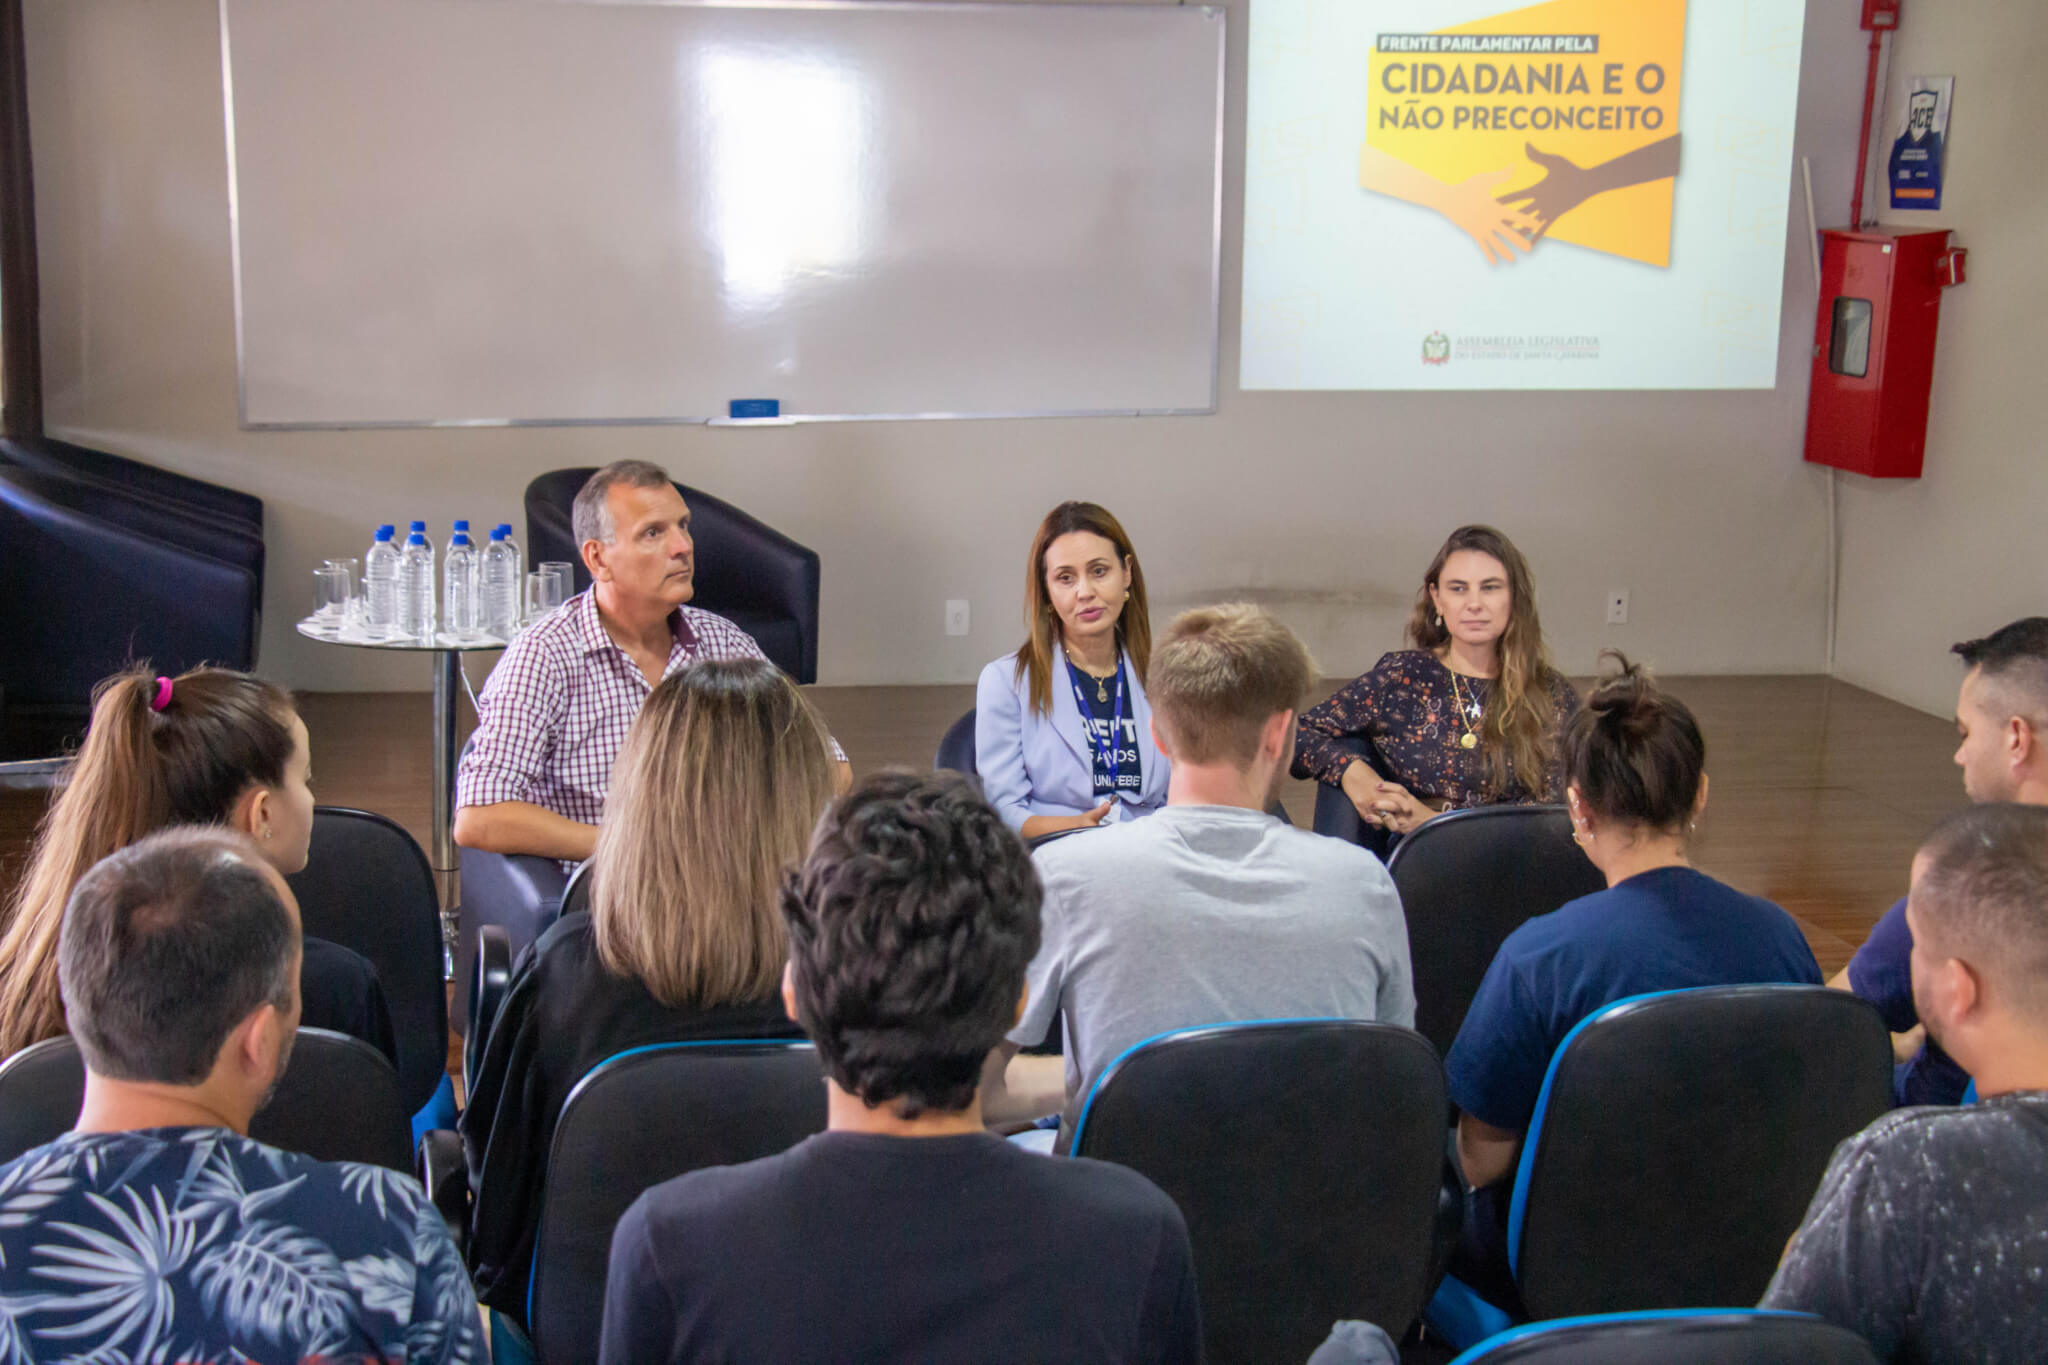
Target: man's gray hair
[168,945]
[591,515]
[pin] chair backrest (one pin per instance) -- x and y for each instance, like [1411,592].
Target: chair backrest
[96,578]
[489,985]
[1691,1336]
[645,1116]
[956,747]
[1305,1155]
[576,895]
[1467,880]
[1678,1139]
[338,1101]
[367,886]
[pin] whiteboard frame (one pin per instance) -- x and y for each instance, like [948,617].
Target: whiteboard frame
[227,77]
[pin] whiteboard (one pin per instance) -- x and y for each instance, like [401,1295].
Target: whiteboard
[496,212]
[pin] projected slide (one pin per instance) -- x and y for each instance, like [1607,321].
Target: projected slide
[1454,194]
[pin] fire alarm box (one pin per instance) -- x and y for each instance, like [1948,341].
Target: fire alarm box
[1873,351]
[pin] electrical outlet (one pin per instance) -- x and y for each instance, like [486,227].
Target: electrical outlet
[1617,606]
[956,616]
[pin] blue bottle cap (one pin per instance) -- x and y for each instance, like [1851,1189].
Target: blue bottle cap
[506,527]
[416,538]
[419,528]
[498,532]
[462,525]
[386,532]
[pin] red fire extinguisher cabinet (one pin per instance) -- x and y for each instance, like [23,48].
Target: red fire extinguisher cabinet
[1873,350]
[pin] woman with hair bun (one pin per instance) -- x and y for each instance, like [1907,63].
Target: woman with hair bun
[208,747]
[1468,717]
[1635,768]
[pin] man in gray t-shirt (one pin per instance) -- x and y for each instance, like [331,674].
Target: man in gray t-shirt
[1929,1236]
[1211,910]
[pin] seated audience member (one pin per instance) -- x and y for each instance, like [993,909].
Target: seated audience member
[1469,717]
[208,747]
[156,1229]
[1062,727]
[1211,910]
[719,784]
[906,1231]
[1929,1234]
[559,703]
[1635,769]
[2002,721]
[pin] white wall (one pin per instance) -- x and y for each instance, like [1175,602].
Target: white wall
[1959,552]
[1324,505]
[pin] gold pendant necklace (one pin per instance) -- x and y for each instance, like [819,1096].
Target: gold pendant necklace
[1101,684]
[1468,740]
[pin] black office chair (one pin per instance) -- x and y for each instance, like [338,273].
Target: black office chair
[1305,1156]
[637,1119]
[956,748]
[1677,1142]
[338,1101]
[96,577]
[1467,880]
[746,570]
[1703,1336]
[367,886]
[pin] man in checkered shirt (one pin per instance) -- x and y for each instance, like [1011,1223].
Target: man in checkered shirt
[558,705]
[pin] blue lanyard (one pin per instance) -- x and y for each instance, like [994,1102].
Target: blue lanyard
[1106,752]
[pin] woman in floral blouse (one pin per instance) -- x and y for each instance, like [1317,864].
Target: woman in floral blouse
[1469,717]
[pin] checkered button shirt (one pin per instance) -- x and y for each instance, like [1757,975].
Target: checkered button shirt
[557,707]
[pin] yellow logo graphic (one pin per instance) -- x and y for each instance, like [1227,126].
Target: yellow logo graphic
[1555,121]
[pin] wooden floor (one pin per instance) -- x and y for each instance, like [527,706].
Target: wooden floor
[1821,791]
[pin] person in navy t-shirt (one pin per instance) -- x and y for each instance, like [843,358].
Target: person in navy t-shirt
[1635,768]
[2001,716]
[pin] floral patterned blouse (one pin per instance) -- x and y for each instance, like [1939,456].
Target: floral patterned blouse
[1407,709]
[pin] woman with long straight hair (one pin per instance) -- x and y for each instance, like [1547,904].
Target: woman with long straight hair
[1062,726]
[1469,716]
[715,791]
[208,747]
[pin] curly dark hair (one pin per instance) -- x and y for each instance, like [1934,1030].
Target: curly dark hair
[910,926]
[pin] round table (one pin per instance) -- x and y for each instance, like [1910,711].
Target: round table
[448,651]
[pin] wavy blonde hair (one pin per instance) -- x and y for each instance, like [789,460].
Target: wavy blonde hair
[1519,730]
[715,792]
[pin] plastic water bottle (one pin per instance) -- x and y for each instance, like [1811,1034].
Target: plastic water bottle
[504,583]
[380,586]
[416,586]
[459,570]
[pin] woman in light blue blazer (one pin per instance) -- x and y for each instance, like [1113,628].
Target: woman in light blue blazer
[1062,727]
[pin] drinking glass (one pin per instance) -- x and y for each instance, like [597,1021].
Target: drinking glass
[543,594]
[351,613]
[564,571]
[330,597]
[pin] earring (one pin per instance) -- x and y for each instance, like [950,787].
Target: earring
[266,831]
[1439,620]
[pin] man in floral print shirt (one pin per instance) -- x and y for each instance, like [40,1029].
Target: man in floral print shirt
[157,1230]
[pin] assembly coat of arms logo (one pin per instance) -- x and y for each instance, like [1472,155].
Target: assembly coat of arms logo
[1436,349]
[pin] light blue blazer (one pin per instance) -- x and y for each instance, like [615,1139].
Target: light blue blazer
[1040,765]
